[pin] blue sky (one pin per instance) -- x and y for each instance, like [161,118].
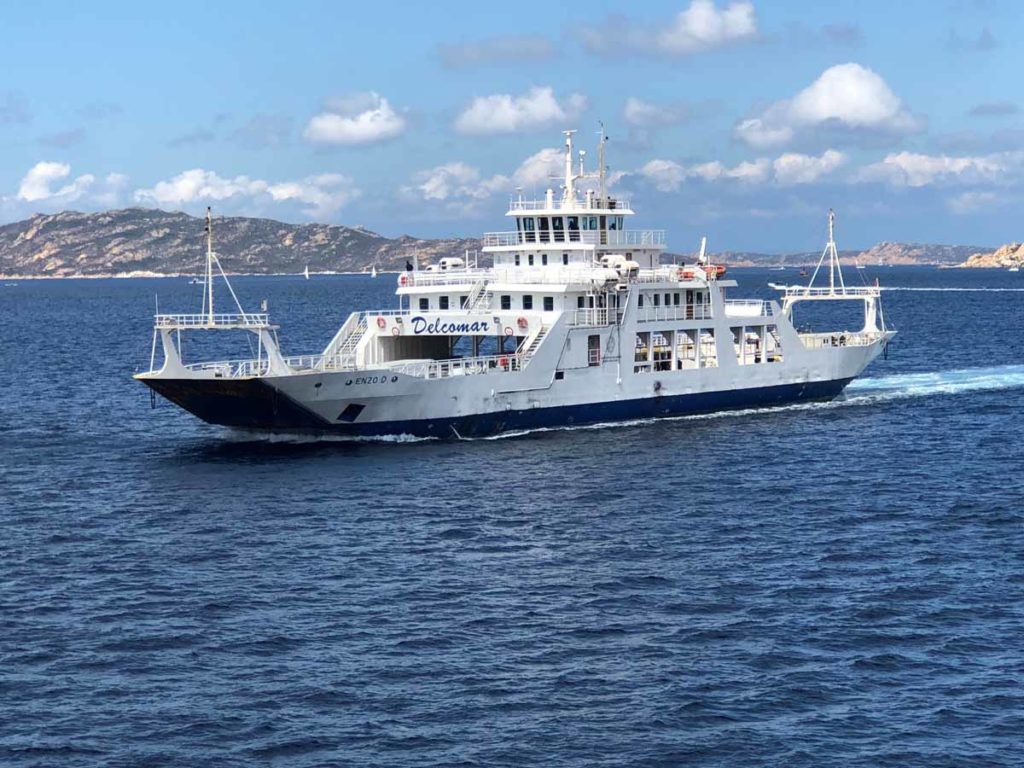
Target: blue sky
[742,120]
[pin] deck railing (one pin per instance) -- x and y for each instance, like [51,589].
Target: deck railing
[578,206]
[681,312]
[747,308]
[838,339]
[634,237]
[217,320]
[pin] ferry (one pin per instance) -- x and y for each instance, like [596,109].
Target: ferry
[575,319]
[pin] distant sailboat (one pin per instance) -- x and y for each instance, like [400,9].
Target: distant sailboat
[373,273]
[305,272]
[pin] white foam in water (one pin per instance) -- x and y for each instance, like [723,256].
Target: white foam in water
[951,290]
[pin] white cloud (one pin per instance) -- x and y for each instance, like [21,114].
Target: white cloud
[363,118]
[665,175]
[322,195]
[912,169]
[702,26]
[786,170]
[538,168]
[456,180]
[792,168]
[38,183]
[643,114]
[506,113]
[846,96]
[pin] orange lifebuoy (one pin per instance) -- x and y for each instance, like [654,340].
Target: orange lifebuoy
[381,322]
[403,280]
[503,362]
[686,274]
[523,323]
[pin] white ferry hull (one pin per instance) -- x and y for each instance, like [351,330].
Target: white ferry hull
[389,404]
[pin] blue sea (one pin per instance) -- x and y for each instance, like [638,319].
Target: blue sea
[832,584]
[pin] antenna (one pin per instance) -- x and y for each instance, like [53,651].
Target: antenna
[835,270]
[209,265]
[601,168]
[570,187]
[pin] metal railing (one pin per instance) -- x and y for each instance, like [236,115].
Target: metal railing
[217,320]
[231,369]
[463,366]
[681,312]
[577,205]
[637,237]
[839,339]
[594,317]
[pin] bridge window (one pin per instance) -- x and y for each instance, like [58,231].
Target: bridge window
[527,301]
[528,230]
[574,228]
[506,302]
[542,225]
[424,304]
[549,303]
[442,302]
[556,225]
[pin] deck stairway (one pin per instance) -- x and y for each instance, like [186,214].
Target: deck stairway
[526,353]
[479,298]
[342,352]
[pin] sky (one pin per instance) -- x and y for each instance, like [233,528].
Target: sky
[741,120]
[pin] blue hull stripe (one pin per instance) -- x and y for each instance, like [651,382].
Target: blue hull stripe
[252,404]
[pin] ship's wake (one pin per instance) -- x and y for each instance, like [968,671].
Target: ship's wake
[866,391]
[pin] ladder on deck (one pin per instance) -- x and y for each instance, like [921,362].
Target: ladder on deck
[528,353]
[479,298]
[344,355]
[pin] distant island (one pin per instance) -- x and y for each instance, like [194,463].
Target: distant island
[1004,257]
[150,242]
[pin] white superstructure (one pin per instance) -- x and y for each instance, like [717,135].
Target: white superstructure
[576,321]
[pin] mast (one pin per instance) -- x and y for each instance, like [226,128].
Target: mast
[601,169]
[209,265]
[570,180]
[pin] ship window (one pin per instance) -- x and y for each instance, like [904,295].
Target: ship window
[463,301]
[527,301]
[657,299]
[565,258]
[530,259]
[442,302]
[517,259]
[424,304]
[579,302]
[528,230]
[593,350]
[544,259]
[542,225]
[675,299]
[549,303]
[506,302]
[574,228]
[612,222]
[556,225]
[559,375]
[640,300]
[668,299]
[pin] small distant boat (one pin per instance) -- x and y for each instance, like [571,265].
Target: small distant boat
[197,281]
[305,272]
[803,273]
[860,266]
[373,272]
[1015,269]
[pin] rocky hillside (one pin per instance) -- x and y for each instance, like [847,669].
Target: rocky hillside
[915,253]
[146,241]
[140,241]
[1011,255]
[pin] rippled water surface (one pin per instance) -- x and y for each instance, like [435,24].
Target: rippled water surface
[819,585]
